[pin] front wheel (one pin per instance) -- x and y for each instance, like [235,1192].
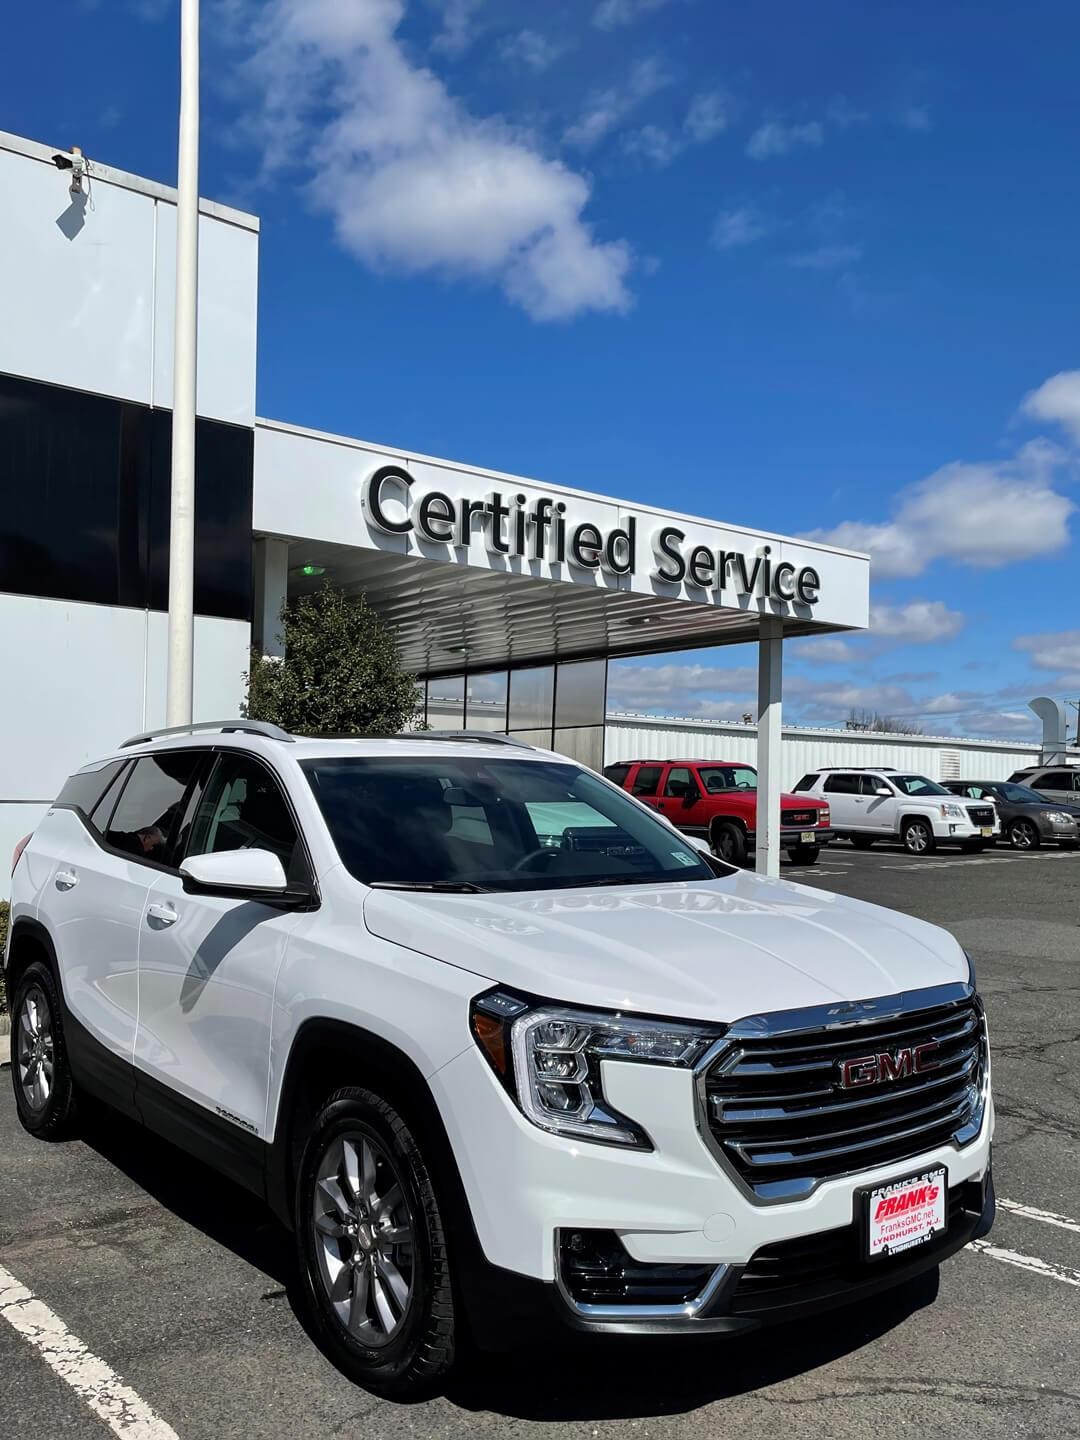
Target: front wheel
[804,854]
[729,843]
[1023,835]
[918,837]
[372,1248]
[40,1073]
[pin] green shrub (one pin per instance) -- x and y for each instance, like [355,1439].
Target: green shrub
[341,674]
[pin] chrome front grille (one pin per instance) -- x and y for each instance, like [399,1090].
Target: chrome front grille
[800,817]
[787,1104]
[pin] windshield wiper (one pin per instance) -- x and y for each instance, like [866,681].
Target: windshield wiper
[432,887]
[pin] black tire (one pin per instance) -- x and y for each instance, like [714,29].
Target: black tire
[406,1362]
[862,842]
[804,854]
[917,837]
[1024,835]
[728,842]
[40,1071]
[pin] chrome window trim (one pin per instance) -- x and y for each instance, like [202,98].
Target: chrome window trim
[813,1020]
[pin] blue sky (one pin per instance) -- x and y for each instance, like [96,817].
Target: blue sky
[805,267]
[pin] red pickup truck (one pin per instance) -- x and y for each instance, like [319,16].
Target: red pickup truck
[718,801]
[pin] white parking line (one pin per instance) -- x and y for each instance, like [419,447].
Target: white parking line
[1028,1262]
[102,1389]
[1046,1217]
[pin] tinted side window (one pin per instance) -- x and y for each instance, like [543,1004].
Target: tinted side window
[680,782]
[807,782]
[147,813]
[646,780]
[83,790]
[242,808]
[616,773]
[842,784]
[1055,780]
[871,784]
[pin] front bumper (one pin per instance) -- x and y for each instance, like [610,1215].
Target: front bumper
[962,830]
[790,837]
[674,1206]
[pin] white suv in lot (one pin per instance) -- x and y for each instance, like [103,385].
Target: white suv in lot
[887,804]
[501,1047]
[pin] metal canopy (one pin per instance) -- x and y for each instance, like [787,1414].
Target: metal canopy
[448,616]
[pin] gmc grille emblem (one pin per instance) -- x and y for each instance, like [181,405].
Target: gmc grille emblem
[887,1066]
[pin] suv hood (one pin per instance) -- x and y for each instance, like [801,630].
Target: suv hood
[712,950]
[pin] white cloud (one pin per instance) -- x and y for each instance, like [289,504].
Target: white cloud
[980,514]
[916,118]
[457,29]
[412,180]
[826,257]
[706,118]
[607,109]
[680,689]
[530,49]
[611,14]
[1057,400]
[826,650]
[1053,651]
[920,622]
[709,115]
[775,138]
[740,226]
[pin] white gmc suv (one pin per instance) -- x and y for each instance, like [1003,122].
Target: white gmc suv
[498,1044]
[887,804]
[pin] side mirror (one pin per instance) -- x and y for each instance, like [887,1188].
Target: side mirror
[697,843]
[882,790]
[236,874]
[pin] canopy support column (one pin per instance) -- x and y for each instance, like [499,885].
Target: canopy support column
[271,592]
[770,692]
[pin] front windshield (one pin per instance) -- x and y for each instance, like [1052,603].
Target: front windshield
[918,785]
[717,778]
[1018,794]
[482,824]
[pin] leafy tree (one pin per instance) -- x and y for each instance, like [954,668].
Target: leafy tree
[341,674]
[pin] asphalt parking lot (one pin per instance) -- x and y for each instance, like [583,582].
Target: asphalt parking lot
[181,1284]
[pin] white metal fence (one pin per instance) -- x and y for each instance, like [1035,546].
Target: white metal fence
[662,737]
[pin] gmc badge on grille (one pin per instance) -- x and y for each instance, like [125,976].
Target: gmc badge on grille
[887,1066]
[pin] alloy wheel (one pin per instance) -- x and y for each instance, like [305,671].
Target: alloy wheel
[35,1049]
[364,1238]
[917,839]
[1023,835]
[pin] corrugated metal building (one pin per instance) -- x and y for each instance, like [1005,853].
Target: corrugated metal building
[941,757]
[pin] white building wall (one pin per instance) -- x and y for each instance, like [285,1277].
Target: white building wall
[88,286]
[640,737]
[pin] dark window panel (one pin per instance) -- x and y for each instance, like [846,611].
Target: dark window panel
[580,692]
[532,693]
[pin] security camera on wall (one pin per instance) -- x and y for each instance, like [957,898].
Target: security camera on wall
[75,161]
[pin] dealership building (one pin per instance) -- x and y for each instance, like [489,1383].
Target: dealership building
[507,596]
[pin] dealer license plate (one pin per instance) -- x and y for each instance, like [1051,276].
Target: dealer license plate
[807,837]
[987,833]
[905,1213]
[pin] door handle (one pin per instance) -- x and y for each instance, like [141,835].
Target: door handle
[163,914]
[65,880]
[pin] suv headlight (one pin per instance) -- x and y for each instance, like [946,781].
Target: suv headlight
[550,1057]
[954,812]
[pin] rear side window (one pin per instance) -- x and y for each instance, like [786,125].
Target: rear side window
[842,784]
[617,773]
[85,789]
[1055,780]
[807,782]
[148,811]
[646,780]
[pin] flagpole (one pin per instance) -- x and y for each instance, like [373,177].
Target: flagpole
[178,702]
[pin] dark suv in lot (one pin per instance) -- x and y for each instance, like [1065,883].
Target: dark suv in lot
[1028,819]
[717,800]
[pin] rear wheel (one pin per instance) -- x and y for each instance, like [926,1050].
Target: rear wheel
[862,842]
[40,1073]
[1024,835]
[918,837]
[729,843]
[372,1248]
[804,854]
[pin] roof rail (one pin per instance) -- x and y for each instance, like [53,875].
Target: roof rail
[226,727]
[482,737]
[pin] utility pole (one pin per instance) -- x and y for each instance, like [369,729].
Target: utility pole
[181,630]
